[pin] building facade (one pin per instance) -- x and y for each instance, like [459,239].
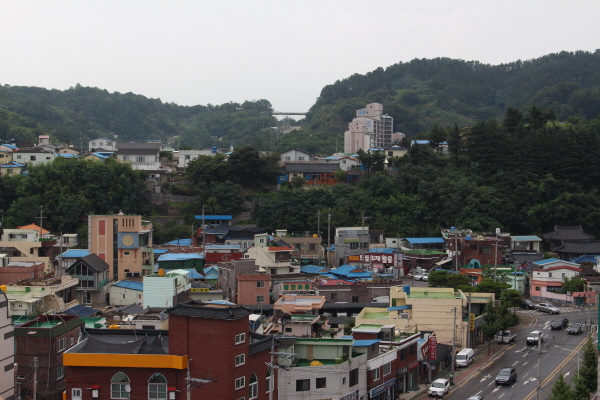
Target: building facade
[124,242]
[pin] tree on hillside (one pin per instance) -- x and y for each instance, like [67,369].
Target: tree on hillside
[589,366]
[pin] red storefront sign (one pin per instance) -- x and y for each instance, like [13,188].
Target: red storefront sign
[432,347]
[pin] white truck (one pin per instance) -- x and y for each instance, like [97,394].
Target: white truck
[506,336]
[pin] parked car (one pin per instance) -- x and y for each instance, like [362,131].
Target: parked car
[576,328]
[506,336]
[547,307]
[506,376]
[527,304]
[419,276]
[439,388]
[534,337]
[425,278]
[559,323]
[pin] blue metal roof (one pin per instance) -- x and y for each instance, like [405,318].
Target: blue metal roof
[66,155]
[223,247]
[384,251]
[75,253]
[345,270]
[584,258]
[366,342]
[332,158]
[425,240]
[227,303]
[420,142]
[526,238]
[12,164]
[311,269]
[130,285]
[180,242]
[160,251]
[10,146]
[100,155]
[396,308]
[81,311]
[180,257]
[214,217]
[546,261]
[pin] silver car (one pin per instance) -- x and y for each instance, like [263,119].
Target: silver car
[547,307]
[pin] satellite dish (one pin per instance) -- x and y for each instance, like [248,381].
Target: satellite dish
[128,388]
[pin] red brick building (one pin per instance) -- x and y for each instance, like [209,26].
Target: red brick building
[42,341]
[210,343]
[20,271]
[254,289]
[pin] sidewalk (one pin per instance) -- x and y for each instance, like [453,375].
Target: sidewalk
[462,375]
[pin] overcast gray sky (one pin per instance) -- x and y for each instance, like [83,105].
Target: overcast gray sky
[199,52]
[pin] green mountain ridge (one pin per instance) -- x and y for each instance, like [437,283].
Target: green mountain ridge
[419,94]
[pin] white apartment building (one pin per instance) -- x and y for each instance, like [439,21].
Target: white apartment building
[371,129]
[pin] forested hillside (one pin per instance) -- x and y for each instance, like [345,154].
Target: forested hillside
[418,94]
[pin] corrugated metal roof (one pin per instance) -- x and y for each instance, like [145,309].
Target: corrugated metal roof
[215,217]
[180,242]
[130,285]
[547,261]
[526,238]
[180,257]
[366,343]
[75,253]
[429,240]
[223,247]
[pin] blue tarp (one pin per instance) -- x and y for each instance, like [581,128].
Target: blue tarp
[429,240]
[130,285]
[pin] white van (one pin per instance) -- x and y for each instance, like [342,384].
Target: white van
[465,357]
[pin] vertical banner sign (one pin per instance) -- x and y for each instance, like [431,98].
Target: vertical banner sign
[432,347]
[472,321]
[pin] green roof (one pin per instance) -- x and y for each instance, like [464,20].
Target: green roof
[377,315]
[423,252]
[431,295]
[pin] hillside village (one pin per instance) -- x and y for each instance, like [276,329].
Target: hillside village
[235,311]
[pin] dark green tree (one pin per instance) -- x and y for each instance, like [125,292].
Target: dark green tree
[438,278]
[561,389]
[589,366]
[492,324]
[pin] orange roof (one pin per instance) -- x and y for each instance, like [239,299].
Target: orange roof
[35,227]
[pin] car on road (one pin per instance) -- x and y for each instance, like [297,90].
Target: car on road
[547,307]
[534,337]
[425,278]
[506,376]
[576,328]
[419,276]
[475,398]
[527,304]
[439,388]
[559,323]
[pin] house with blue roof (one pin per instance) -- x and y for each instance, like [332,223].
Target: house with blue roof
[12,168]
[125,293]
[526,244]
[170,261]
[350,272]
[214,219]
[427,243]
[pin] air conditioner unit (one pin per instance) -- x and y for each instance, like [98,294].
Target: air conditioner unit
[136,274]
[129,274]
[404,315]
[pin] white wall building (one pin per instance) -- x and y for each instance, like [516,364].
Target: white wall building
[103,143]
[7,350]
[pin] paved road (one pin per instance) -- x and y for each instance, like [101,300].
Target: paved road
[559,353]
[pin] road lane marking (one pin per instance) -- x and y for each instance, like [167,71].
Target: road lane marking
[516,362]
[556,370]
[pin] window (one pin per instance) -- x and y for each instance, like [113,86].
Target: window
[240,383]
[18,157]
[62,344]
[321,383]
[253,387]
[76,394]
[376,374]
[288,329]
[241,338]
[157,387]
[538,288]
[306,287]
[260,299]
[260,284]
[312,246]
[140,159]
[126,253]
[293,287]
[119,386]
[93,144]
[100,144]
[387,368]
[33,158]
[60,372]
[549,274]
[240,359]
[286,287]
[300,158]
[333,296]
[302,385]
[353,377]
[269,380]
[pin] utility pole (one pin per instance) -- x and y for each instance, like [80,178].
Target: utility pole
[191,380]
[319,223]
[328,235]
[496,253]
[469,317]
[453,342]
[35,367]
[539,367]
[41,218]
